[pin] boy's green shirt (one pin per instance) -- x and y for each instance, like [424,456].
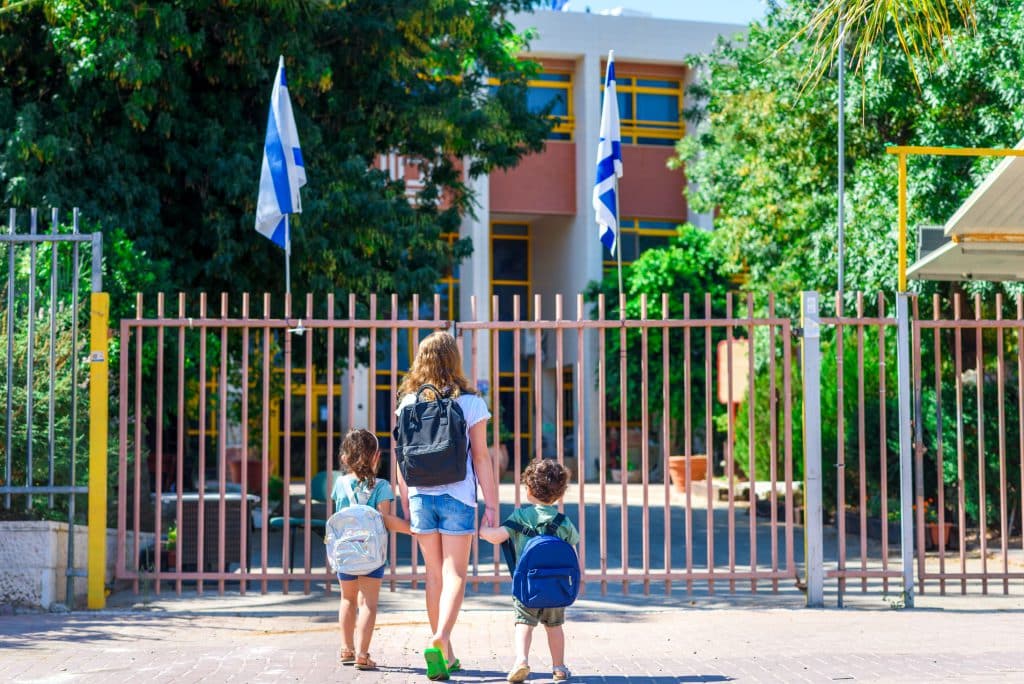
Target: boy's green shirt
[535,516]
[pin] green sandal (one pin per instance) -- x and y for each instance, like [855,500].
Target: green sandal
[437,668]
[455,666]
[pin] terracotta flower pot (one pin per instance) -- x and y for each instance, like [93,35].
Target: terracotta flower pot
[677,469]
[934,534]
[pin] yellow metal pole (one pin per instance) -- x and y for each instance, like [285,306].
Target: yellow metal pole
[902,222]
[99,400]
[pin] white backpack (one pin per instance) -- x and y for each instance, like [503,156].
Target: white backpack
[356,539]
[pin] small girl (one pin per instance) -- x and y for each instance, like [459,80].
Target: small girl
[360,454]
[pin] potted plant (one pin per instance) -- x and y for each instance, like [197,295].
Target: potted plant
[170,550]
[938,537]
[499,452]
[677,470]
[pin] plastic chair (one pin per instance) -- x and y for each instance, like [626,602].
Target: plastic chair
[319,492]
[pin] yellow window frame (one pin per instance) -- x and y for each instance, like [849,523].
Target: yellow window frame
[564,124]
[644,128]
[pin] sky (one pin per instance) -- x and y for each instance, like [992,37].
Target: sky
[725,11]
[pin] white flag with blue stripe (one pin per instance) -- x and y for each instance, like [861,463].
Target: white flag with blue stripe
[283,172]
[609,163]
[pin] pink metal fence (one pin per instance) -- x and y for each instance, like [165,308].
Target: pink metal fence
[190,379]
[969,443]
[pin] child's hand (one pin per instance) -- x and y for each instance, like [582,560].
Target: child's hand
[495,535]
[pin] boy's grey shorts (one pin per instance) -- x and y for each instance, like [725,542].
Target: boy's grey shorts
[549,617]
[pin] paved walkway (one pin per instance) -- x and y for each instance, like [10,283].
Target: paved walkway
[620,640]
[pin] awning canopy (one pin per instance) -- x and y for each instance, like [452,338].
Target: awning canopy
[986,233]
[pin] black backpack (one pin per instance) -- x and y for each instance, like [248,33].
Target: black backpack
[430,440]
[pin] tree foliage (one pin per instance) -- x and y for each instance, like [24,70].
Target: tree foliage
[150,116]
[764,154]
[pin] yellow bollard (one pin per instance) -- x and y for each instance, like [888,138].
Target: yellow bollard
[99,401]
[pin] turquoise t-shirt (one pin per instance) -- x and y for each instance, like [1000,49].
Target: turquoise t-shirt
[369,495]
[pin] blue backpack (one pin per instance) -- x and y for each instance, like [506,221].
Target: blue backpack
[547,573]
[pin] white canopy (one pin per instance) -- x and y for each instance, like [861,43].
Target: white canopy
[986,234]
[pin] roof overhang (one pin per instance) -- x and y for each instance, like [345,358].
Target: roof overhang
[986,232]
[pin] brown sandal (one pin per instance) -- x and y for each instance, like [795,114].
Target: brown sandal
[363,662]
[346,656]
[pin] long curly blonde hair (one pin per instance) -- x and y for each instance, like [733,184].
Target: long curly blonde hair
[439,363]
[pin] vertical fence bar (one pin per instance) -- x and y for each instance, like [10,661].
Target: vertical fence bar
[1020,411]
[30,358]
[883,456]
[862,461]
[751,462]
[286,432]
[309,442]
[72,508]
[960,452]
[623,446]
[52,405]
[1001,404]
[709,443]
[393,391]
[979,368]
[245,514]
[841,455]
[814,557]
[559,387]
[666,437]
[180,438]
[122,449]
[730,447]
[475,545]
[11,312]
[645,529]
[602,419]
[939,447]
[688,441]
[581,431]
[159,439]
[222,439]
[517,389]
[787,442]
[495,379]
[414,335]
[137,469]
[773,447]
[537,382]
[265,379]
[906,469]
[201,467]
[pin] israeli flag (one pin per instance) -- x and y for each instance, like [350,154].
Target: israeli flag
[609,163]
[283,172]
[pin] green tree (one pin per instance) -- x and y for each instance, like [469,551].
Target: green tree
[150,116]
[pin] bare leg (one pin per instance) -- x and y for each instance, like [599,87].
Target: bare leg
[430,546]
[556,644]
[369,592]
[455,552]
[347,614]
[524,636]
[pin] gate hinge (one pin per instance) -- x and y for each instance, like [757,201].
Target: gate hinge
[797,331]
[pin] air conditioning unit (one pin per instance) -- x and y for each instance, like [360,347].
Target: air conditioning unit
[929,239]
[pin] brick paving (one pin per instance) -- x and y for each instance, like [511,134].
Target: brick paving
[615,640]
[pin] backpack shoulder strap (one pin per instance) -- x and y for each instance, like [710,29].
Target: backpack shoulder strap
[508,549]
[552,526]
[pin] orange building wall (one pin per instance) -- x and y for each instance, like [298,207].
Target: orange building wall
[542,183]
[648,188]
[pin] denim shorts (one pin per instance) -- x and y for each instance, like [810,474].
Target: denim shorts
[441,513]
[375,574]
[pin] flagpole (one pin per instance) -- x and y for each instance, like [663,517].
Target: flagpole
[287,257]
[618,235]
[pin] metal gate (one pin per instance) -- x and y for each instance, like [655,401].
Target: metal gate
[214,407]
[46,364]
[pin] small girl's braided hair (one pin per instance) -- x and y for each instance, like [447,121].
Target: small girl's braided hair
[358,450]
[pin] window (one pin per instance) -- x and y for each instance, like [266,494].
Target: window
[448,285]
[552,88]
[650,109]
[639,235]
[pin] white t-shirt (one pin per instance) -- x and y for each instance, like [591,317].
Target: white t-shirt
[474,409]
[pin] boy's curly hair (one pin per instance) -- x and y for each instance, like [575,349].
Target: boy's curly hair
[546,480]
[358,450]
